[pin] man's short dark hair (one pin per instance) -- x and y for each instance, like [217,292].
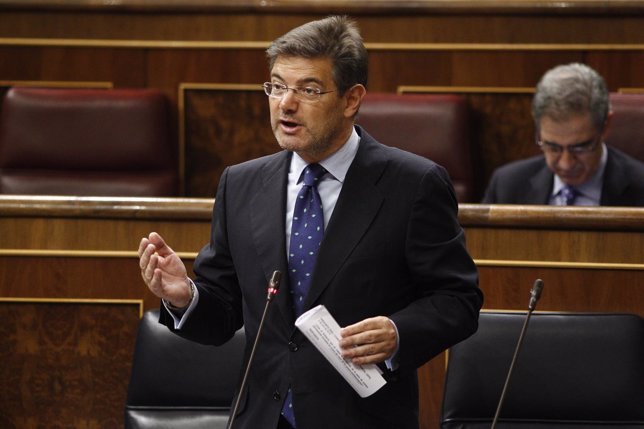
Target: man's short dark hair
[336,38]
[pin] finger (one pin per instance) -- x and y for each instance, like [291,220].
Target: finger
[159,243]
[148,271]
[372,323]
[369,353]
[356,328]
[144,258]
[156,283]
[359,340]
[373,359]
[370,347]
[368,331]
[142,245]
[362,350]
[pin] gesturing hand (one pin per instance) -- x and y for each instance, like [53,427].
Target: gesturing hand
[163,271]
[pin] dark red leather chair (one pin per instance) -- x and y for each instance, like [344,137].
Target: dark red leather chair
[87,142]
[626,132]
[436,126]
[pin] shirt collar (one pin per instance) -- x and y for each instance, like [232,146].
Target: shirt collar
[337,164]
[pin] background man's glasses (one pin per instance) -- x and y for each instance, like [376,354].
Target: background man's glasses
[573,149]
[307,93]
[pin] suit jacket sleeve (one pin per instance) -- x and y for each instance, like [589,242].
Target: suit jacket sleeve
[444,275]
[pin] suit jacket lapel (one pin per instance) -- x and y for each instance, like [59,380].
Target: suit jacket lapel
[268,229]
[615,183]
[357,205]
[541,187]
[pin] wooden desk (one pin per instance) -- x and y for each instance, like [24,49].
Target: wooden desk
[71,293]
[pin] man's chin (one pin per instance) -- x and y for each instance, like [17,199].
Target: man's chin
[572,180]
[289,142]
[290,146]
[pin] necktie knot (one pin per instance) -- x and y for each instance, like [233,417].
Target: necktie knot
[569,195]
[312,174]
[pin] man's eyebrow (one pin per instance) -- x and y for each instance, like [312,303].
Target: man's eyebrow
[573,144]
[302,81]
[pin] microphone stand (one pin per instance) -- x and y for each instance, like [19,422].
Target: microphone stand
[273,286]
[535,294]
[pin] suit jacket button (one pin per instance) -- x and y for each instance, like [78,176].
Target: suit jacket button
[276,396]
[292,346]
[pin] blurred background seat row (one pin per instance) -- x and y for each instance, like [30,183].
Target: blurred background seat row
[120,142]
[103,142]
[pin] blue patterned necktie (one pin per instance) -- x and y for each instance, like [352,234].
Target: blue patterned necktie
[307,232]
[569,195]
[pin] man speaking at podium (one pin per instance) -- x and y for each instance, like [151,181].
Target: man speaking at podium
[368,231]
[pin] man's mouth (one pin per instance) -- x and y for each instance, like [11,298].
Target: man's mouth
[288,126]
[570,174]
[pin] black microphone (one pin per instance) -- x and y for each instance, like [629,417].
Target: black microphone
[535,294]
[273,287]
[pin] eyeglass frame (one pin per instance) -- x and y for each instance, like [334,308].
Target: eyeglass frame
[582,148]
[298,91]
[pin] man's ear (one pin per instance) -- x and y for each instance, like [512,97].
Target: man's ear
[609,117]
[353,98]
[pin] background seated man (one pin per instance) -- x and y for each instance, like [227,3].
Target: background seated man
[571,111]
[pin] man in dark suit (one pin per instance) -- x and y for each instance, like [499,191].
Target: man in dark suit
[571,111]
[392,266]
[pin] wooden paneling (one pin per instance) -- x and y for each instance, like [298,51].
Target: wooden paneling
[211,143]
[94,225]
[65,364]
[84,250]
[565,289]
[546,21]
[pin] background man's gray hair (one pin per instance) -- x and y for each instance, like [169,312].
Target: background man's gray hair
[335,37]
[570,90]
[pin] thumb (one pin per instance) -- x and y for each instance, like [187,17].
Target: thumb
[162,249]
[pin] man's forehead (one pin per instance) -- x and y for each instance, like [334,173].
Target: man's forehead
[569,126]
[302,68]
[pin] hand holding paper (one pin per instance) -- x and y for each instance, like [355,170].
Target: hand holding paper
[323,331]
[372,340]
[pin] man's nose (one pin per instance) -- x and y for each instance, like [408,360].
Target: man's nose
[566,160]
[289,101]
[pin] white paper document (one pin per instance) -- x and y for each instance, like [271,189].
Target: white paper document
[324,333]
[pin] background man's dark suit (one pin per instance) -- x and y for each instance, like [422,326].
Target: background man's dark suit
[393,247]
[529,181]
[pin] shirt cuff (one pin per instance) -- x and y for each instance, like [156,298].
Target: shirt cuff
[180,317]
[392,363]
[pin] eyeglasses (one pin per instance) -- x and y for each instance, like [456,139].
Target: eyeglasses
[307,93]
[573,149]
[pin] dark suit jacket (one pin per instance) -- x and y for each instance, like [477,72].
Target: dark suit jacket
[530,181]
[393,247]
